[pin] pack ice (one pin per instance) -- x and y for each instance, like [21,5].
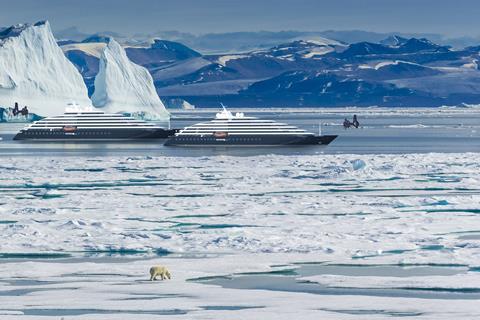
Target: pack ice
[35,72]
[122,86]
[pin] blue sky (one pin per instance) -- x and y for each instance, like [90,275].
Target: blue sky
[451,18]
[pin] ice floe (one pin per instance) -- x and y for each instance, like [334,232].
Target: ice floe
[78,236]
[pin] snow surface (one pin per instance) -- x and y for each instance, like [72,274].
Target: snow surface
[206,88]
[122,86]
[320,41]
[223,60]
[395,62]
[35,72]
[365,66]
[94,49]
[385,63]
[333,204]
[224,215]
[472,65]
[452,80]
[318,52]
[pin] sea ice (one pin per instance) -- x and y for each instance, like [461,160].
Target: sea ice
[109,219]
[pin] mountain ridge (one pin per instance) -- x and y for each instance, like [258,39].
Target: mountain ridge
[380,67]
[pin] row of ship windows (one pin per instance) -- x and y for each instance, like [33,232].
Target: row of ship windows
[46,133]
[213,138]
[93,115]
[239,129]
[89,122]
[245,124]
[91,126]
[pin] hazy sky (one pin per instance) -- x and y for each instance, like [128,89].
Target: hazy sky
[451,18]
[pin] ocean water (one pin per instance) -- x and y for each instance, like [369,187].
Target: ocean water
[383,223]
[382,131]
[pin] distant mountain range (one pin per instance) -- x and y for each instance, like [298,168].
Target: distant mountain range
[311,72]
[315,71]
[220,43]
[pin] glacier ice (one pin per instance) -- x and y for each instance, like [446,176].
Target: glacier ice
[122,86]
[35,72]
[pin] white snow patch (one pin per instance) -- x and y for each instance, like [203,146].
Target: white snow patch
[396,62]
[321,41]
[224,59]
[472,65]
[365,66]
[384,64]
[318,52]
[94,49]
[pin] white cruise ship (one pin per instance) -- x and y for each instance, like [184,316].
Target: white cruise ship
[229,129]
[91,124]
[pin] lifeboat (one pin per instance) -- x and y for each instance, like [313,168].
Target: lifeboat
[220,134]
[69,129]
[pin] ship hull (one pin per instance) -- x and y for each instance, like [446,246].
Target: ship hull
[249,140]
[93,134]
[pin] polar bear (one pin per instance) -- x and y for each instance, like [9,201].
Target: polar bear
[159,271]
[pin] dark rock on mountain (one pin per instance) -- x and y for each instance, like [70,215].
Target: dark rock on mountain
[366,48]
[412,45]
[65,42]
[210,73]
[97,38]
[396,70]
[322,88]
[160,53]
[306,89]
[13,31]
[393,41]
[87,65]
[421,45]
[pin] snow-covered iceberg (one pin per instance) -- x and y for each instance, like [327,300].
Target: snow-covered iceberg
[123,86]
[34,71]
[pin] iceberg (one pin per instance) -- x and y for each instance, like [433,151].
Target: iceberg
[187,105]
[123,86]
[34,72]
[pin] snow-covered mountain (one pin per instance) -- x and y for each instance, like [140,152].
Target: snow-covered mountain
[123,86]
[159,53]
[393,41]
[391,72]
[163,59]
[35,72]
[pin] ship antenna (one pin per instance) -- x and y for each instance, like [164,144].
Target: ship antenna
[225,113]
[223,106]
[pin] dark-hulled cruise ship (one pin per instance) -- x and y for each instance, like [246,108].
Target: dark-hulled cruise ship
[92,125]
[228,129]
